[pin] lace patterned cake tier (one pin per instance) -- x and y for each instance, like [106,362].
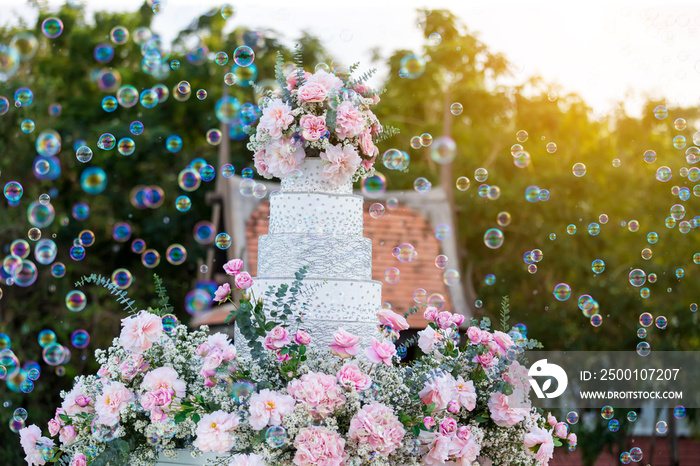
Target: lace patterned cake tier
[312,180]
[334,214]
[328,305]
[326,256]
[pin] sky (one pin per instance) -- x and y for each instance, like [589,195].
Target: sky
[605,51]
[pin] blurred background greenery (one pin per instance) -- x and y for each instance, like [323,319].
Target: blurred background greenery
[458,69]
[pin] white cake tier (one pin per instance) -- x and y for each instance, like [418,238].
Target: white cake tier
[328,305]
[313,181]
[331,214]
[326,256]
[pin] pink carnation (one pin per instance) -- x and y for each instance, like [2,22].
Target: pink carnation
[247,460]
[344,162]
[278,338]
[466,393]
[427,339]
[312,92]
[377,426]
[319,446]
[351,376]
[318,392]
[139,332]
[281,157]
[345,344]
[276,117]
[233,266]
[348,121]
[439,390]
[215,432]
[392,319]
[222,293]
[504,410]
[312,127]
[539,444]
[381,352]
[79,460]
[164,377]
[30,438]
[114,398]
[268,408]
[367,145]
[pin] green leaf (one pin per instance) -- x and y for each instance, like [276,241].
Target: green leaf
[196,418]
[180,417]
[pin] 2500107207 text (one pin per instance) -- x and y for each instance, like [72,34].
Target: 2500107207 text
[639,374]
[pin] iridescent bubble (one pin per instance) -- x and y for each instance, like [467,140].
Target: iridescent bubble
[521,135]
[25,275]
[598,266]
[119,35]
[456,108]
[571,229]
[652,237]
[227,170]
[204,232]
[392,275]
[27,126]
[651,278]
[376,210]
[230,79]
[76,301]
[25,44]
[562,292]
[679,412]
[227,11]
[170,324]
[679,142]
[579,170]
[551,147]
[19,248]
[150,258]
[632,417]
[48,143]
[34,234]
[493,238]
[633,225]
[197,301]
[26,386]
[660,112]
[176,254]
[646,254]
[122,278]
[661,322]
[643,348]
[201,94]
[532,194]
[276,436]
[80,339]
[223,241]
[692,156]
[93,180]
[572,417]
[441,261]
[443,232]
[637,277]
[481,175]
[173,143]
[443,150]
[490,279]
[670,222]
[243,56]
[126,146]
[614,426]
[522,160]
[58,270]
[593,229]
[463,183]
[52,27]
[422,185]
[503,219]
[189,179]
[415,142]
[107,141]
[450,277]
[213,137]
[607,412]
[420,295]
[650,156]
[207,172]
[227,109]
[412,66]
[13,191]
[663,174]
[127,96]
[103,53]
[183,203]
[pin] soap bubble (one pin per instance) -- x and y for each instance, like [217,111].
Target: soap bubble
[376,210]
[493,238]
[176,254]
[13,191]
[150,258]
[503,219]
[422,185]
[93,180]
[80,339]
[48,143]
[107,141]
[679,412]
[227,11]
[456,108]
[392,275]
[481,175]
[661,427]
[58,270]
[646,254]
[276,436]
[598,266]
[441,261]
[84,154]
[679,142]
[660,112]
[643,348]
[126,146]
[463,183]
[76,301]
[663,174]
[25,44]
[213,137]
[490,279]
[572,417]
[223,241]
[52,27]
[443,150]
[562,292]
[579,170]
[170,324]
[650,156]
[54,354]
[374,186]
[243,56]
[119,35]
[412,65]
[450,277]
[593,229]
[122,278]
[27,126]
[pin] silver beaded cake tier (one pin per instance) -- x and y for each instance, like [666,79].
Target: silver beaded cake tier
[317,224]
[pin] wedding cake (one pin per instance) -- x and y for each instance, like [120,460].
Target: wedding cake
[319,224]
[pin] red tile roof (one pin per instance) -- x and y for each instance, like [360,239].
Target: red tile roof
[397,226]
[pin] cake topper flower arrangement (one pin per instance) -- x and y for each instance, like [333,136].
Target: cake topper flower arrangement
[163,387]
[323,114]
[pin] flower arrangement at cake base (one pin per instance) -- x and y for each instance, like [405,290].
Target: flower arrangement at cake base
[162,388]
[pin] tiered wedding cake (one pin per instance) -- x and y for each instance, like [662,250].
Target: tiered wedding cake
[320,225]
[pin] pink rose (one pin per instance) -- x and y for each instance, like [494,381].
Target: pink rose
[367,145]
[233,266]
[68,435]
[54,427]
[114,399]
[539,440]
[318,392]
[261,164]
[70,405]
[466,393]
[464,433]
[572,439]
[448,427]
[243,281]
[312,127]
[348,121]
[345,344]
[453,407]
[551,420]
[163,396]
[268,408]
[215,432]
[79,460]
[504,342]
[139,332]
[148,401]
[302,338]
[222,293]
[212,361]
[504,411]
[428,422]
[380,352]
[561,430]
[430,313]
[376,425]
[427,340]
[319,446]
[327,80]
[312,92]
[82,400]
[344,162]
[158,415]
[444,320]
[277,338]
[438,449]
[276,117]
[486,360]
[392,319]
[351,376]
[439,391]
[103,371]
[457,319]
